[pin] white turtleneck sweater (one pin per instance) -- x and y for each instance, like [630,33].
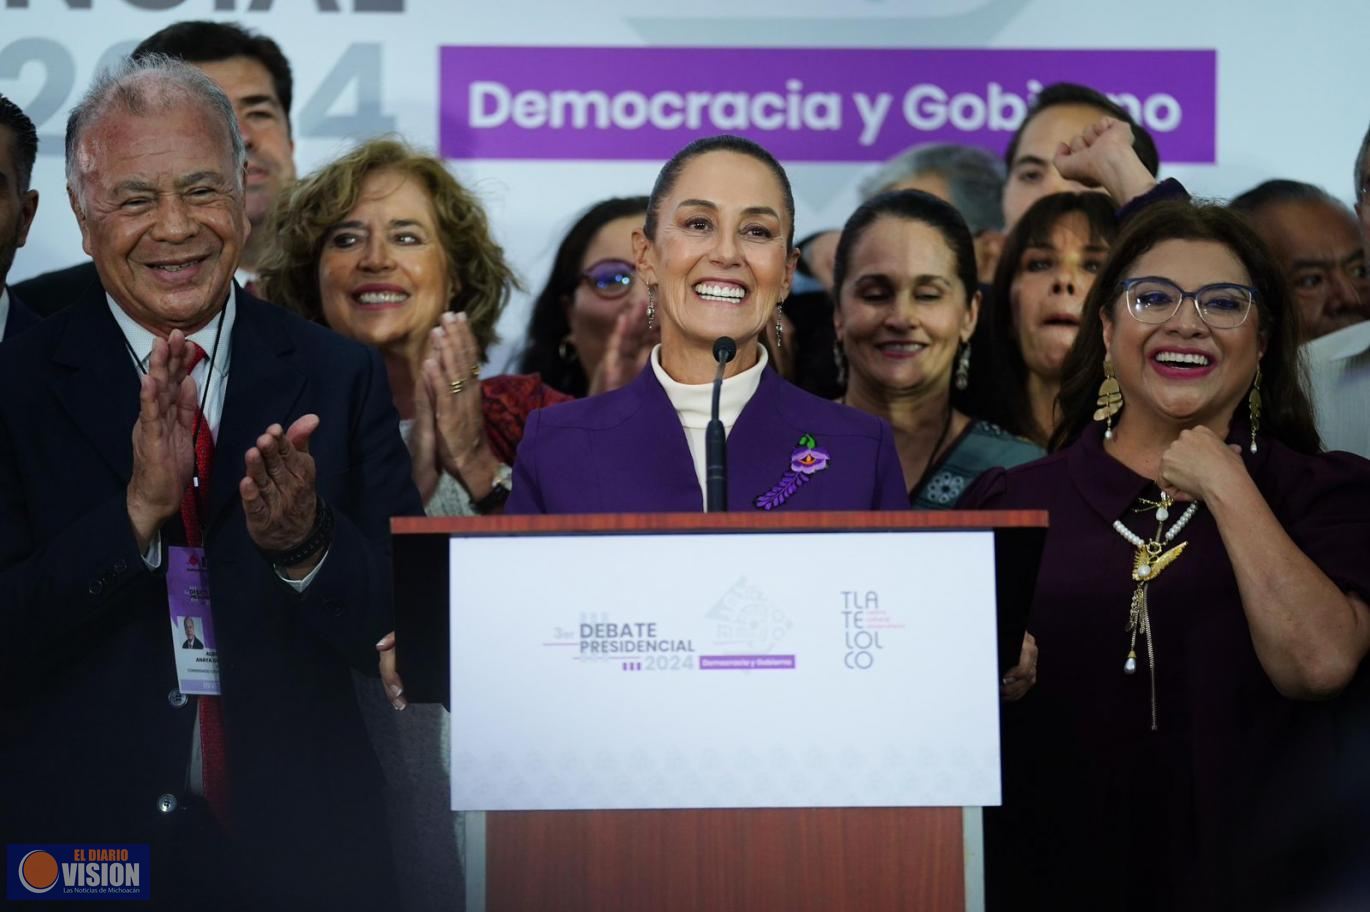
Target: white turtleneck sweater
[693,403]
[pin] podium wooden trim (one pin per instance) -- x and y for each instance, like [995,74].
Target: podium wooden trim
[748,860]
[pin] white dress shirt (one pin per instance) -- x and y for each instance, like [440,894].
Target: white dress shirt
[694,404]
[4,310]
[1339,382]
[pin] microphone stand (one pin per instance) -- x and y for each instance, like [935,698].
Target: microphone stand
[715,439]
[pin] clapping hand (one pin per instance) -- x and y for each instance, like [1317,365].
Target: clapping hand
[1103,156]
[277,490]
[626,350]
[163,439]
[454,408]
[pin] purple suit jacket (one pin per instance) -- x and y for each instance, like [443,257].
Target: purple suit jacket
[625,452]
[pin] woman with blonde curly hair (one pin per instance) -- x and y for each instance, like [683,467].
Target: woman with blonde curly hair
[384,246]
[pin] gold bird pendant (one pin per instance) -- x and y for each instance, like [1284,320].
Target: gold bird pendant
[1150,561]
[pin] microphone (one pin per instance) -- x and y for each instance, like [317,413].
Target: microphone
[715,442]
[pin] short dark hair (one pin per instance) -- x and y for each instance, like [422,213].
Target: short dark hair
[1287,415]
[1272,192]
[550,324]
[25,140]
[201,41]
[670,172]
[912,206]
[1069,93]
[1003,397]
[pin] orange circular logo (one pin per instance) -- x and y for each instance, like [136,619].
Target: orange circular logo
[38,871]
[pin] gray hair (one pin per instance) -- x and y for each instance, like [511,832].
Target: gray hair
[150,84]
[976,179]
[1361,157]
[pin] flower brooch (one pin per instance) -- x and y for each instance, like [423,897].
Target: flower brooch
[806,460]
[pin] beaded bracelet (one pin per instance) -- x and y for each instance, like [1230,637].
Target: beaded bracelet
[318,539]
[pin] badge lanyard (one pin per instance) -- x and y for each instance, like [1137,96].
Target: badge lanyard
[194,644]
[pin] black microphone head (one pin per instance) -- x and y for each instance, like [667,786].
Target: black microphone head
[724,349]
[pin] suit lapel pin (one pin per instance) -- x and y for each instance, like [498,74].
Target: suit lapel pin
[806,460]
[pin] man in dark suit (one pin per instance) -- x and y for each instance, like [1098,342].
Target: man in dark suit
[18,204]
[192,641]
[170,409]
[255,75]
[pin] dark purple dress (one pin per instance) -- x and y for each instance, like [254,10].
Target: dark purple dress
[1220,804]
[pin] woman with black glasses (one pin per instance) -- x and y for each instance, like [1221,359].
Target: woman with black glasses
[592,304]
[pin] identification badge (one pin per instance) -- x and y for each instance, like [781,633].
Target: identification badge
[192,623]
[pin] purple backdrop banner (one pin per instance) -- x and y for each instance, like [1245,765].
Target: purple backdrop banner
[844,105]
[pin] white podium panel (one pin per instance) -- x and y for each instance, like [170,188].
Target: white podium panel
[710,670]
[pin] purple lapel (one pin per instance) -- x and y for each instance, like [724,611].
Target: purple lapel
[759,448]
[644,463]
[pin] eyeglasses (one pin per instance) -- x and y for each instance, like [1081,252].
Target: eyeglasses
[609,278]
[1225,305]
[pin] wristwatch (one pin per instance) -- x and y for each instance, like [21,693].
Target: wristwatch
[498,493]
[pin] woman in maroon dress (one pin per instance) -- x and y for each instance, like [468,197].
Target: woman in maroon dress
[1201,600]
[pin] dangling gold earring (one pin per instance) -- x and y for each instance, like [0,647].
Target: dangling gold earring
[1253,406]
[1110,400]
[651,307]
[779,327]
[962,380]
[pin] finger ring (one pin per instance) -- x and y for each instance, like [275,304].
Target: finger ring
[475,371]
[456,386]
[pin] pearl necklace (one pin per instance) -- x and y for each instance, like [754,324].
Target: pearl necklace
[1149,562]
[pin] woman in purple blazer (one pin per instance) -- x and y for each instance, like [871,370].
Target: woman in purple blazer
[717,255]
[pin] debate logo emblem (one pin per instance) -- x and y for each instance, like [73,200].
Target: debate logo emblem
[38,871]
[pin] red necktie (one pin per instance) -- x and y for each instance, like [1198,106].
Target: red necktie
[194,505]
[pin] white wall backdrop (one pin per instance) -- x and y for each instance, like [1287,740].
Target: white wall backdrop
[1290,83]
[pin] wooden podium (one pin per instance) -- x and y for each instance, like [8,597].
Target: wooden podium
[790,859]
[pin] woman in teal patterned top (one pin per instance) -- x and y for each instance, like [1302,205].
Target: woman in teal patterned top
[907,303]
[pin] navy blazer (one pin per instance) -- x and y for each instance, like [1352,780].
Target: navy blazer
[52,292]
[20,318]
[93,725]
[626,452]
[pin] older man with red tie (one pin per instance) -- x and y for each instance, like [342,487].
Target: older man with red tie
[186,456]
